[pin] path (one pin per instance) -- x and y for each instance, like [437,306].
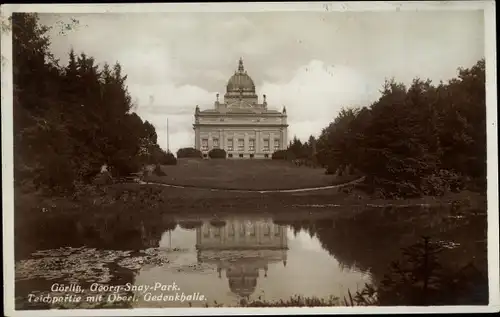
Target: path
[297,190]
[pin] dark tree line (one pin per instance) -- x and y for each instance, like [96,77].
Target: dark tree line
[70,120]
[298,150]
[420,140]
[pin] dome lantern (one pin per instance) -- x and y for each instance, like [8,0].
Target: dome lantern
[240,83]
[241,68]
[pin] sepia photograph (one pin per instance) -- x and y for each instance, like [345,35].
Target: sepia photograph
[227,157]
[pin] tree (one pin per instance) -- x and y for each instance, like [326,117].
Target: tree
[69,121]
[412,141]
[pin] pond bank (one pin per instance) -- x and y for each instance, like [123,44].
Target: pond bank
[125,198]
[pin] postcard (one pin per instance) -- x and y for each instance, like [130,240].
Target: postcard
[249,158]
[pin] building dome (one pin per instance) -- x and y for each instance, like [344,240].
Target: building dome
[240,81]
[242,280]
[243,287]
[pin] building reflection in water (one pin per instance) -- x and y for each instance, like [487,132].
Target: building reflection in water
[242,249]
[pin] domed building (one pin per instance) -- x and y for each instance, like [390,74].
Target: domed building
[242,250]
[240,124]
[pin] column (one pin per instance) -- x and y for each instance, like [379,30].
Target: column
[197,138]
[282,139]
[284,241]
[271,143]
[258,232]
[258,148]
[285,137]
[237,231]
[222,142]
[246,142]
[198,236]
[210,143]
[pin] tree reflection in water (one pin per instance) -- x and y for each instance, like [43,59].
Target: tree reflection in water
[218,223]
[375,238]
[101,231]
[367,240]
[190,225]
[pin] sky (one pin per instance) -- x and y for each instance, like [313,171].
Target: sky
[314,63]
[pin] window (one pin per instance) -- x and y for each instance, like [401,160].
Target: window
[251,155]
[253,231]
[276,144]
[243,230]
[267,230]
[204,144]
[266,155]
[215,143]
[230,144]
[251,144]
[241,144]
[241,155]
[230,155]
[205,156]
[266,145]
[206,232]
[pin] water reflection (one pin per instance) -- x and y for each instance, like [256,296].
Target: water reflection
[244,256]
[247,258]
[242,249]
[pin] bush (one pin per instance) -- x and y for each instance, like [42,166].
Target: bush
[189,152]
[442,182]
[279,155]
[330,171]
[103,178]
[55,176]
[217,154]
[158,171]
[124,166]
[168,159]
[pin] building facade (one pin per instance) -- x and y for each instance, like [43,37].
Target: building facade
[239,124]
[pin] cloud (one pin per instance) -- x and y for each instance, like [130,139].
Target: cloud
[316,93]
[177,103]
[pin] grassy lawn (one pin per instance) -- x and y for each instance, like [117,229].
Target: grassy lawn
[245,174]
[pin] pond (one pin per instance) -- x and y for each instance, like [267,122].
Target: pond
[159,261]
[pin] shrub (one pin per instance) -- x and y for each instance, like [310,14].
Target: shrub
[55,176]
[441,182]
[103,178]
[158,171]
[330,171]
[168,159]
[123,166]
[189,152]
[279,155]
[217,154]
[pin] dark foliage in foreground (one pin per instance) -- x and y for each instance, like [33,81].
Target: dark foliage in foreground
[418,279]
[70,120]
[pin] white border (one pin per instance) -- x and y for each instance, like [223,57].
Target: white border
[491,101]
